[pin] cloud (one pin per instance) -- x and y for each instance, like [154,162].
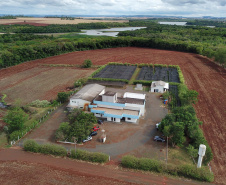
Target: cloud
[115,7]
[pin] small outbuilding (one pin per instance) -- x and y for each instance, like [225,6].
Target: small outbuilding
[159,86]
[85,96]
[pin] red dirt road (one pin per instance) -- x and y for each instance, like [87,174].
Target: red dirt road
[41,169]
[200,74]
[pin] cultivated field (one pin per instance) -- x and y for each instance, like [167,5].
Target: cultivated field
[39,82]
[47,21]
[200,74]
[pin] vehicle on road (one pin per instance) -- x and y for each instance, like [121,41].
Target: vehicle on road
[100,122]
[96,128]
[157,125]
[89,138]
[94,133]
[158,138]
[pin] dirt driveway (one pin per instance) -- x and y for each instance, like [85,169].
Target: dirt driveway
[121,138]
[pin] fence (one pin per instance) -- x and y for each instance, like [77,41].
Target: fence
[19,134]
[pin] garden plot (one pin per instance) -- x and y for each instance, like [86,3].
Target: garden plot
[116,72]
[173,89]
[159,73]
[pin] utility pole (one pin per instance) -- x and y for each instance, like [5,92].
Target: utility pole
[166,151]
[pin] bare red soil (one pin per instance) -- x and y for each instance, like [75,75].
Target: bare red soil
[30,23]
[19,167]
[200,74]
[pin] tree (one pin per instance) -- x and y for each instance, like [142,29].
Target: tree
[62,97]
[16,119]
[192,152]
[87,63]
[177,133]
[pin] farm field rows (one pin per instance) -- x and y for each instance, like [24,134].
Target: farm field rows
[200,74]
[41,83]
[46,21]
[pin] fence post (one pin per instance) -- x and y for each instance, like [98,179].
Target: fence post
[18,137]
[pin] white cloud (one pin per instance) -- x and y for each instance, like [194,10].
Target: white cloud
[115,7]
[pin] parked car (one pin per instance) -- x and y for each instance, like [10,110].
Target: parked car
[89,138]
[158,138]
[100,122]
[94,133]
[96,128]
[157,125]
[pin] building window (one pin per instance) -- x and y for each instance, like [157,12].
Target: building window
[129,118]
[81,107]
[74,101]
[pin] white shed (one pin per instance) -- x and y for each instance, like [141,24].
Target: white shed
[85,96]
[159,86]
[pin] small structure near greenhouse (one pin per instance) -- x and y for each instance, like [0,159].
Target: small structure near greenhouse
[85,96]
[159,86]
[129,107]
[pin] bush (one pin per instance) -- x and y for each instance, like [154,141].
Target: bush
[53,150]
[143,82]
[40,103]
[88,156]
[31,145]
[62,97]
[201,174]
[87,64]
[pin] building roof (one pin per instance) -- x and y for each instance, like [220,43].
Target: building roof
[160,83]
[124,100]
[134,95]
[88,92]
[117,111]
[130,100]
[109,93]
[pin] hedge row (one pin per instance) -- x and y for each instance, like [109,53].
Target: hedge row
[143,82]
[51,149]
[109,80]
[181,76]
[98,70]
[89,156]
[188,171]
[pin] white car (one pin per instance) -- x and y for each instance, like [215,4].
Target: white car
[89,138]
[157,125]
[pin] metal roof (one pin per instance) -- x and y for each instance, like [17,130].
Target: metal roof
[88,92]
[109,93]
[160,83]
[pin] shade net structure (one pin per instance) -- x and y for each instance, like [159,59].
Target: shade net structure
[116,72]
[159,73]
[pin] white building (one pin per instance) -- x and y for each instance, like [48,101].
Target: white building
[129,107]
[159,86]
[85,96]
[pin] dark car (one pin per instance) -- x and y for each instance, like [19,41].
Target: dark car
[100,122]
[158,138]
[94,133]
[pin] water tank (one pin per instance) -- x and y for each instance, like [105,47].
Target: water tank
[202,150]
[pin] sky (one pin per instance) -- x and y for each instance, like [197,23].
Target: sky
[187,8]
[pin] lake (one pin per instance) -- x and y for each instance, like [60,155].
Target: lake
[109,32]
[174,23]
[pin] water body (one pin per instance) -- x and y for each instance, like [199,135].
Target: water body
[108,32]
[174,23]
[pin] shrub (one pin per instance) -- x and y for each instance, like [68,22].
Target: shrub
[87,64]
[53,150]
[62,97]
[143,82]
[40,103]
[31,145]
[89,156]
[189,171]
